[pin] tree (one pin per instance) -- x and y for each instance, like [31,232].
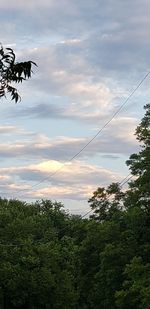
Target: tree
[12,72]
[136,287]
[37,266]
[139,164]
[124,258]
[106,202]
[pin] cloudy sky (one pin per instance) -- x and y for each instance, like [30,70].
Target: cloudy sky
[91,55]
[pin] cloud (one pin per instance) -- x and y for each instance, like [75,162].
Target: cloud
[7,129]
[3,178]
[16,130]
[112,42]
[109,156]
[75,88]
[75,180]
[90,56]
[117,138]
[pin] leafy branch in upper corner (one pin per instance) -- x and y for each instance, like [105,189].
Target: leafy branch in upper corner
[12,71]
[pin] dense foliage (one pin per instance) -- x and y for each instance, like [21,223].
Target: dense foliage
[12,72]
[50,259]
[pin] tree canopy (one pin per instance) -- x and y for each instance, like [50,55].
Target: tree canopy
[12,72]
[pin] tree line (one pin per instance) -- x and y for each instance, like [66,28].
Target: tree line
[50,259]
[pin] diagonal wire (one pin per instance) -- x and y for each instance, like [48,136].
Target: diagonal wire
[91,140]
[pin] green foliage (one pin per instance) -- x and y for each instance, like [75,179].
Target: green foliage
[51,260]
[139,164]
[106,202]
[37,267]
[136,286]
[12,72]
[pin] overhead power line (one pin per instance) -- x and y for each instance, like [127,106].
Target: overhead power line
[122,183]
[50,175]
[126,180]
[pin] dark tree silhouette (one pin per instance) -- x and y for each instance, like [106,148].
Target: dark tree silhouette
[12,72]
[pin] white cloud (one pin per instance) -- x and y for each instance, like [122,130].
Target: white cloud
[117,138]
[75,180]
[71,41]
[24,5]
[7,129]
[3,178]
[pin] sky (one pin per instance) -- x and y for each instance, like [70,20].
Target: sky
[91,55]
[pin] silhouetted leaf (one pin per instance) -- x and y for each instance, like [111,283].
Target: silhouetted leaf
[11,71]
